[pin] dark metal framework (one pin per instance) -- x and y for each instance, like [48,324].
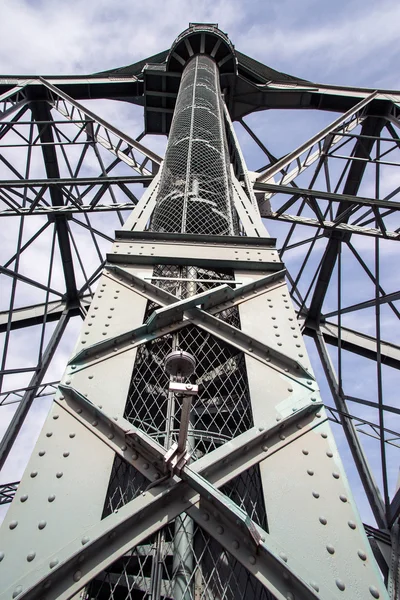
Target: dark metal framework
[332,203]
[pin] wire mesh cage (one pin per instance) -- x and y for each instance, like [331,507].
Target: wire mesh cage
[195,190]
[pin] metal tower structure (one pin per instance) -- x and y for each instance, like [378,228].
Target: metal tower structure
[256,503]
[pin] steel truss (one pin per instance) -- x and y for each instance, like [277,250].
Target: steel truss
[331,203]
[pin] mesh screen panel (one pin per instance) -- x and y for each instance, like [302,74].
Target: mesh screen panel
[195,194]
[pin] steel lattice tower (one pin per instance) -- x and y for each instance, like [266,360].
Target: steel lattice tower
[259,504]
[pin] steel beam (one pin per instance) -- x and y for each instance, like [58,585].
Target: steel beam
[297,193]
[29,396]
[41,112]
[356,342]
[32,315]
[370,486]
[332,128]
[372,126]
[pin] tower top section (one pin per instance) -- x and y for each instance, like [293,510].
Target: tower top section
[202,38]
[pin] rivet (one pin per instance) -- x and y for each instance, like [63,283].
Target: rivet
[252,560]
[49,434]
[290,389]
[323,521]
[313,399]
[123,448]
[85,540]
[265,448]
[68,382]
[373,591]
[329,454]
[13,524]
[53,563]
[310,472]
[61,397]
[47,584]
[2,555]
[362,555]
[71,435]
[351,524]
[324,435]
[24,498]
[31,556]
[343,498]
[289,596]
[65,454]
[235,544]
[283,556]
[340,585]
[304,451]
[314,585]
[42,524]
[318,415]
[110,436]
[335,475]
[315,494]
[206,516]
[95,423]
[220,530]
[79,410]
[90,377]
[146,466]
[282,437]
[330,549]
[59,474]
[55,417]
[51,498]
[17,591]
[134,456]
[77,575]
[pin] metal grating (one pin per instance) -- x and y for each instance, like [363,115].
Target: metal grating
[195,194]
[206,571]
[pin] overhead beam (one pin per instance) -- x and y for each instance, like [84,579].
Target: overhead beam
[354,341]
[321,195]
[37,313]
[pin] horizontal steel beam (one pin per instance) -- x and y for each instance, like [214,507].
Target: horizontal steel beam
[32,315]
[357,342]
[333,226]
[75,181]
[68,209]
[321,195]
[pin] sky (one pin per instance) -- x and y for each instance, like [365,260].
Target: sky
[344,43]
